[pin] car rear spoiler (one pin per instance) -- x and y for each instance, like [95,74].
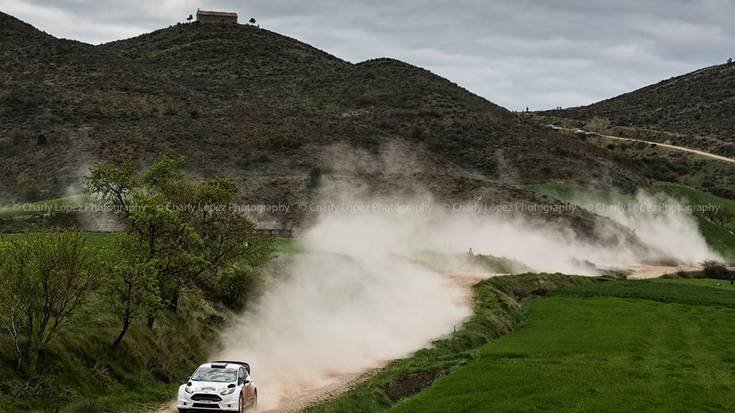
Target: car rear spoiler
[241,363]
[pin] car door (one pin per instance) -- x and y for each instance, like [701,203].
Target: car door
[247,389]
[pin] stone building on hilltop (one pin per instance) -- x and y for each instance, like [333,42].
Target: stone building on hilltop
[217,17]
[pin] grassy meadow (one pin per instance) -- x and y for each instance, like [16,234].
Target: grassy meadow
[663,346]
[497,311]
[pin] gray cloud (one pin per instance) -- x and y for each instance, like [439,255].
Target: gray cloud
[515,53]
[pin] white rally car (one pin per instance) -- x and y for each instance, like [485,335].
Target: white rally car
[223,386]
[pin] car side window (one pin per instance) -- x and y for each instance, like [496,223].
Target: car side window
[241,373]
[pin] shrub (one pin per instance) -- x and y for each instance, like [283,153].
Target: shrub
[30,191]
[714,269]
[417,132]
[285,143]
[232,288]
[599,124]
[315,178]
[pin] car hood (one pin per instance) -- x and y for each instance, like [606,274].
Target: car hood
[208,387]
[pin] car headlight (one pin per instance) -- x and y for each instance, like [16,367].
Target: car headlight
[227,391]
[188,389]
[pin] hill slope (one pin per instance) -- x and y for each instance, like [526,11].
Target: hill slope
[273,112]
[698,104]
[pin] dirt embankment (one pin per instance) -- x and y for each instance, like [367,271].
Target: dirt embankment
[643,272]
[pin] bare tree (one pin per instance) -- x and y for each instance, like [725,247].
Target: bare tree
[598,124]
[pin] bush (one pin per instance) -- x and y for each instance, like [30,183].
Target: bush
[30,191]
[233,288]
[315,178]
[598,124]
[417,132]
[285,143]
[714,269]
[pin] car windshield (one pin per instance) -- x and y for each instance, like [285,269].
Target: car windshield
[214,374]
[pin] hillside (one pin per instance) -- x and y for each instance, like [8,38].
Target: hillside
[698,105]
[278,115]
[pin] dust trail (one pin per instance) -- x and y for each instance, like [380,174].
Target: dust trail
[663,224]
[337,314]
[362,292]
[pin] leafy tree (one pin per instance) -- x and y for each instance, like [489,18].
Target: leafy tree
[113,185]
[252,20]
[132,288]
[44,278]
[185,230]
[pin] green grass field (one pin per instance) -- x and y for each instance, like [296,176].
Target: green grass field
[45,207]
[497,311]
[93,239]
[618,346]
[702,282]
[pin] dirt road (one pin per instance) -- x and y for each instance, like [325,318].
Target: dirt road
[342,383]
[678,148]
[306,398]
[669,146]
[643,272]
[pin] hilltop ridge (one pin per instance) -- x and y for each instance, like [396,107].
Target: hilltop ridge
[698,105]
[268,110]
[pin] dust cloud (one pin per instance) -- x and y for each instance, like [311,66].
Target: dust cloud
[663,224]
[362,292]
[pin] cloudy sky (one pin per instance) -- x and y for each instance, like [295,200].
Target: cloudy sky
[517,53]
